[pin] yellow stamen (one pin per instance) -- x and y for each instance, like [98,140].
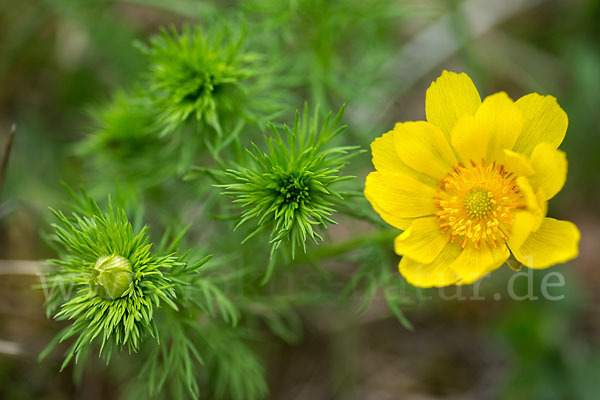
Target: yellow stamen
[476,203]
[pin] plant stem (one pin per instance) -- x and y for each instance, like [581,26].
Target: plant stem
[356,242]
[4,164]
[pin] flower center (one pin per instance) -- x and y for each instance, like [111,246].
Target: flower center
[294,189]
[479,202]
[476,203]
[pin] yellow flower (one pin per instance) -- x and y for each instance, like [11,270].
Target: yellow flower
[470,186]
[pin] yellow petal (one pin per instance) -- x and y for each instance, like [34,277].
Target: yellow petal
[522,227]
[386,159]
[435,274]
[448,98]
[384,154]
[423,147]
[517,163]
[543,121]
[534,202]
[422,242]
[504,120]
[554,243]
[531,202]
[550,167]
[470,138]
[543,204]
[473,263]
[396,222]
[400,196]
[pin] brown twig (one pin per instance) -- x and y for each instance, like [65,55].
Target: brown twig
[11,136]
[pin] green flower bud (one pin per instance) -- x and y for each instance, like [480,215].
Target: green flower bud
[111,277]
[291,189]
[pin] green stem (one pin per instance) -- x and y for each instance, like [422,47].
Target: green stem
[4,163]
[356,242]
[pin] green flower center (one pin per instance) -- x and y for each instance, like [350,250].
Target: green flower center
[478,203]
[111,277]
[294,190]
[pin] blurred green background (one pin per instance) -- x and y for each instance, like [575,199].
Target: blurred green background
[58,58]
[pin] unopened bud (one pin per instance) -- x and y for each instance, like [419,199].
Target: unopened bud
[111,277]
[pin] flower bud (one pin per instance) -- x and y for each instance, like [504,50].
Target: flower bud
[111,277]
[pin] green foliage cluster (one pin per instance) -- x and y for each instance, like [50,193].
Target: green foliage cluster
[82,240]
[291,189]
[199,76]
[124,130]
[340,47]
[200,90]
[177,148]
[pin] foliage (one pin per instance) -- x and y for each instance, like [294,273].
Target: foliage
[208,94]
[125,146]
[200,76]
[290,189]
[84,239]
[233,367]
[340,47]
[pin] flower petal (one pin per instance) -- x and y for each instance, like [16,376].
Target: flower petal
[435,274]
[473,263]
[448,98]
[504,120]
[554,243]
[521,228]
[400,196]
[550,167]
[396,222]
[386,159]
[543,121]
[422,242]
[517,163]
[470,138]
[543,208]
[423,147]
[534,203]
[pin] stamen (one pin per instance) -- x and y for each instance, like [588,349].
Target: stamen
[476,203]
